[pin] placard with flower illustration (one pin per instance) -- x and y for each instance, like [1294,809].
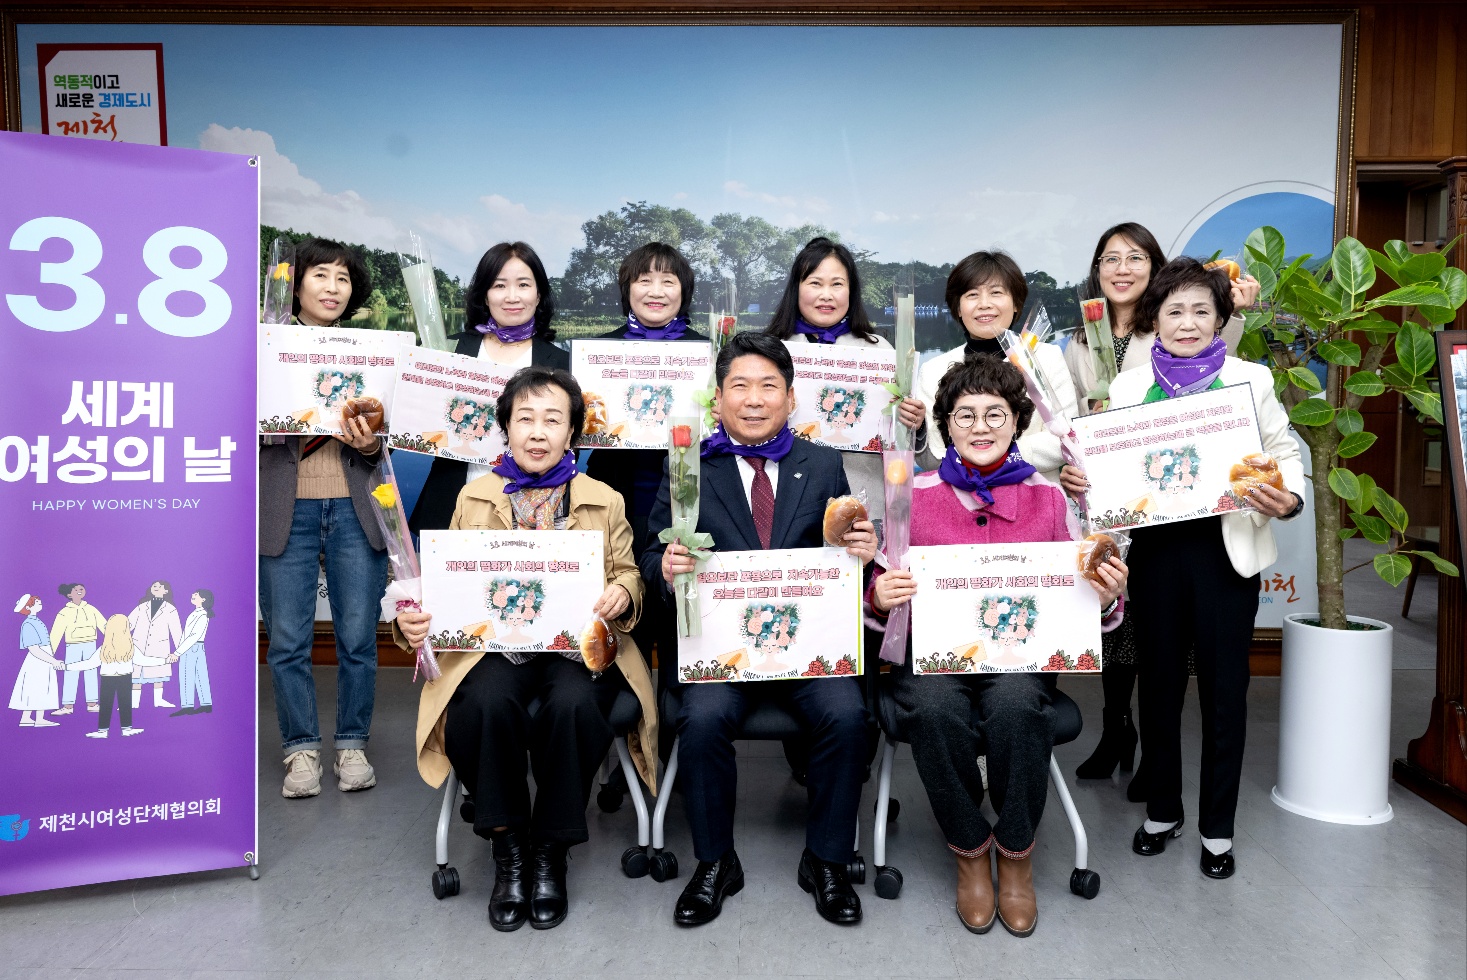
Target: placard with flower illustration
[994,608]
[774,615]
[1169,460]
[841,393]
[308,373]
[444,406]
[510,591]
[633,388]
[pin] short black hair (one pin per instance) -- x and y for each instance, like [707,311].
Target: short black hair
[985,267]
[1183,273]
[323,251]
[476,303]
[1138,235]
[655,257]
[536,379]
[816,251]
[65,588]
[982,374]
[760,344]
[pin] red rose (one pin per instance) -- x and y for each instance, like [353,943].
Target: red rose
[682,436]
[1092,309]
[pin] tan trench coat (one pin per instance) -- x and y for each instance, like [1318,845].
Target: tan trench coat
[483,505]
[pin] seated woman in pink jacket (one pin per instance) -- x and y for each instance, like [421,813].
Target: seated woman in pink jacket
[984,493]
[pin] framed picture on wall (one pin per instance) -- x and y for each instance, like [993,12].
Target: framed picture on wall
[1451,357]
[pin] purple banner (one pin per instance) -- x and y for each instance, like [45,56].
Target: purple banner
[127,494]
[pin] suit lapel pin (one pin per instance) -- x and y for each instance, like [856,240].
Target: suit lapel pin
[798,475]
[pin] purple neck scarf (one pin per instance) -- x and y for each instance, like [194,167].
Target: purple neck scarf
[672,330]
[508,335]
[824,335]
[1187,375]
[719,444]
[517,479]
[965,476]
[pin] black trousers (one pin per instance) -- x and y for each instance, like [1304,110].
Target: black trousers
[114,688]
[489,734]
[934,715]
[832,714]
[1185,594]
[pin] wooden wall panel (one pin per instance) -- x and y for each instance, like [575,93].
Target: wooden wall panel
[1411,86]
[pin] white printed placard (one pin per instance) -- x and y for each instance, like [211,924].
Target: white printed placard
[1167,461]
[632,388]
[511,591]
[993,608]
[839,398]
[308,373]
[444,406]
[773,615]
[104,91]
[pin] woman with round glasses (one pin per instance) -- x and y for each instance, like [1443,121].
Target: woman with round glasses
[984,492]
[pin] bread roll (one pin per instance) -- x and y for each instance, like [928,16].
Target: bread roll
[1227,265]
[1255,468]
[1096,550]
[841,514]
[368,408]
[598,645]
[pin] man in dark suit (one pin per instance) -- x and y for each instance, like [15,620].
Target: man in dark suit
[764,489]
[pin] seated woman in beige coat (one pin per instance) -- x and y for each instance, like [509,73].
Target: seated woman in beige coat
[475,716]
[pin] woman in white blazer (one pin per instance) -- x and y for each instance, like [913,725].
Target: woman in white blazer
[985,292]
[1194,584]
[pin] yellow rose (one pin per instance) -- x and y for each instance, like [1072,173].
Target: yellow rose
[386,495]
[282,271]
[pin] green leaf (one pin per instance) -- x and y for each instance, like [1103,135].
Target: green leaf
[1252,347]
[1373,528]
[1280,382]
[1439,563]
[1398,251]
[1282,335]
[1415,295]
[1367,493]
[1364,383]
[1355,443]
[1437,314]
[1377,328]
[1415,351]
[1349,421]
[1392,567]
[1266,245]
[1346,533]
[1304,378]
[1310,294]
[1352,266]
[1390,508]
[1453,282]
[1397,376]
[1312,411]
[1268,280]
[1421,267]
[1340,352]
[1427,402]
[1345,484]
[1385,264]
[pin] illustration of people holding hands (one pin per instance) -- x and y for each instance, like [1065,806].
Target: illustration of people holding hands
[193,669]
[117,660]
[156,633]
[35,686]
[80,625]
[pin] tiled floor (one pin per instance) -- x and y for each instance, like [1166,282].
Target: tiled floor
[345,890]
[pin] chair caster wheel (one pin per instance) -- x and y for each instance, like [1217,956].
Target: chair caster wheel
[445,883]
[888,882]
[608,799]
[893,809]
[663,866]
[856,870]
[466,809]
[635,863]
[1084,882]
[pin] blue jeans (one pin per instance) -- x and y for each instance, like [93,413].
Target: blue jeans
[193,677]
[75,654]
[356,577]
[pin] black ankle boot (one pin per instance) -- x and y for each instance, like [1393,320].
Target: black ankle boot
[509,905]
[1117,746]
[548,900]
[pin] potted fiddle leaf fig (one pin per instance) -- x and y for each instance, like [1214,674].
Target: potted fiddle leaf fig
[1334,712]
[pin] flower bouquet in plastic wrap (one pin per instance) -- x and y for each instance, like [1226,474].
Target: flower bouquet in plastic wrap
[422,289]
[898,469]
[279,282]
[904,297]
[1042,389]
[1100,343]
[405,591]
[684,464]
[722,320]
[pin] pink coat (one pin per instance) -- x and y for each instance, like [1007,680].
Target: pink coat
[1034,510]
[156,636]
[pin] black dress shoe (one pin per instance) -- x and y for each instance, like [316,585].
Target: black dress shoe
[183,711]
[702,897]
[835,899]
[204,709]
[1218,865]
[548,901]
[509,905]
[1150,845]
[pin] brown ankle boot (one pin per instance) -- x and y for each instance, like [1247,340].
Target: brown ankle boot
[1017,907]
[975,892]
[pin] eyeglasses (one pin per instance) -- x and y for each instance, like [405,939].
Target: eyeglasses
[1136,260]
[994,418]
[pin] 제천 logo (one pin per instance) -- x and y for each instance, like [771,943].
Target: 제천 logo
[12,827]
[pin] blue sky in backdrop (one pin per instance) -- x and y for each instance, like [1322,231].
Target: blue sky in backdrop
[918,143]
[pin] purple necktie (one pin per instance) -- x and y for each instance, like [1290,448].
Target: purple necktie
[761,500]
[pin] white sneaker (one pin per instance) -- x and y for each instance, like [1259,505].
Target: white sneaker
[353,771]
[63,711]
[97,734]
[302,775]
[132,731]
[92,707]
[160,702]
[47,723]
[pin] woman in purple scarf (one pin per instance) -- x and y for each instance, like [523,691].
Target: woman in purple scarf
[1195,583]
[984,493]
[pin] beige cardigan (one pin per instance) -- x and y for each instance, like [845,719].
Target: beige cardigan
[1138,355]
[483,505]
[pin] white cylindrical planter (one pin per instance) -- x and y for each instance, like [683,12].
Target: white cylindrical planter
[1335,722]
